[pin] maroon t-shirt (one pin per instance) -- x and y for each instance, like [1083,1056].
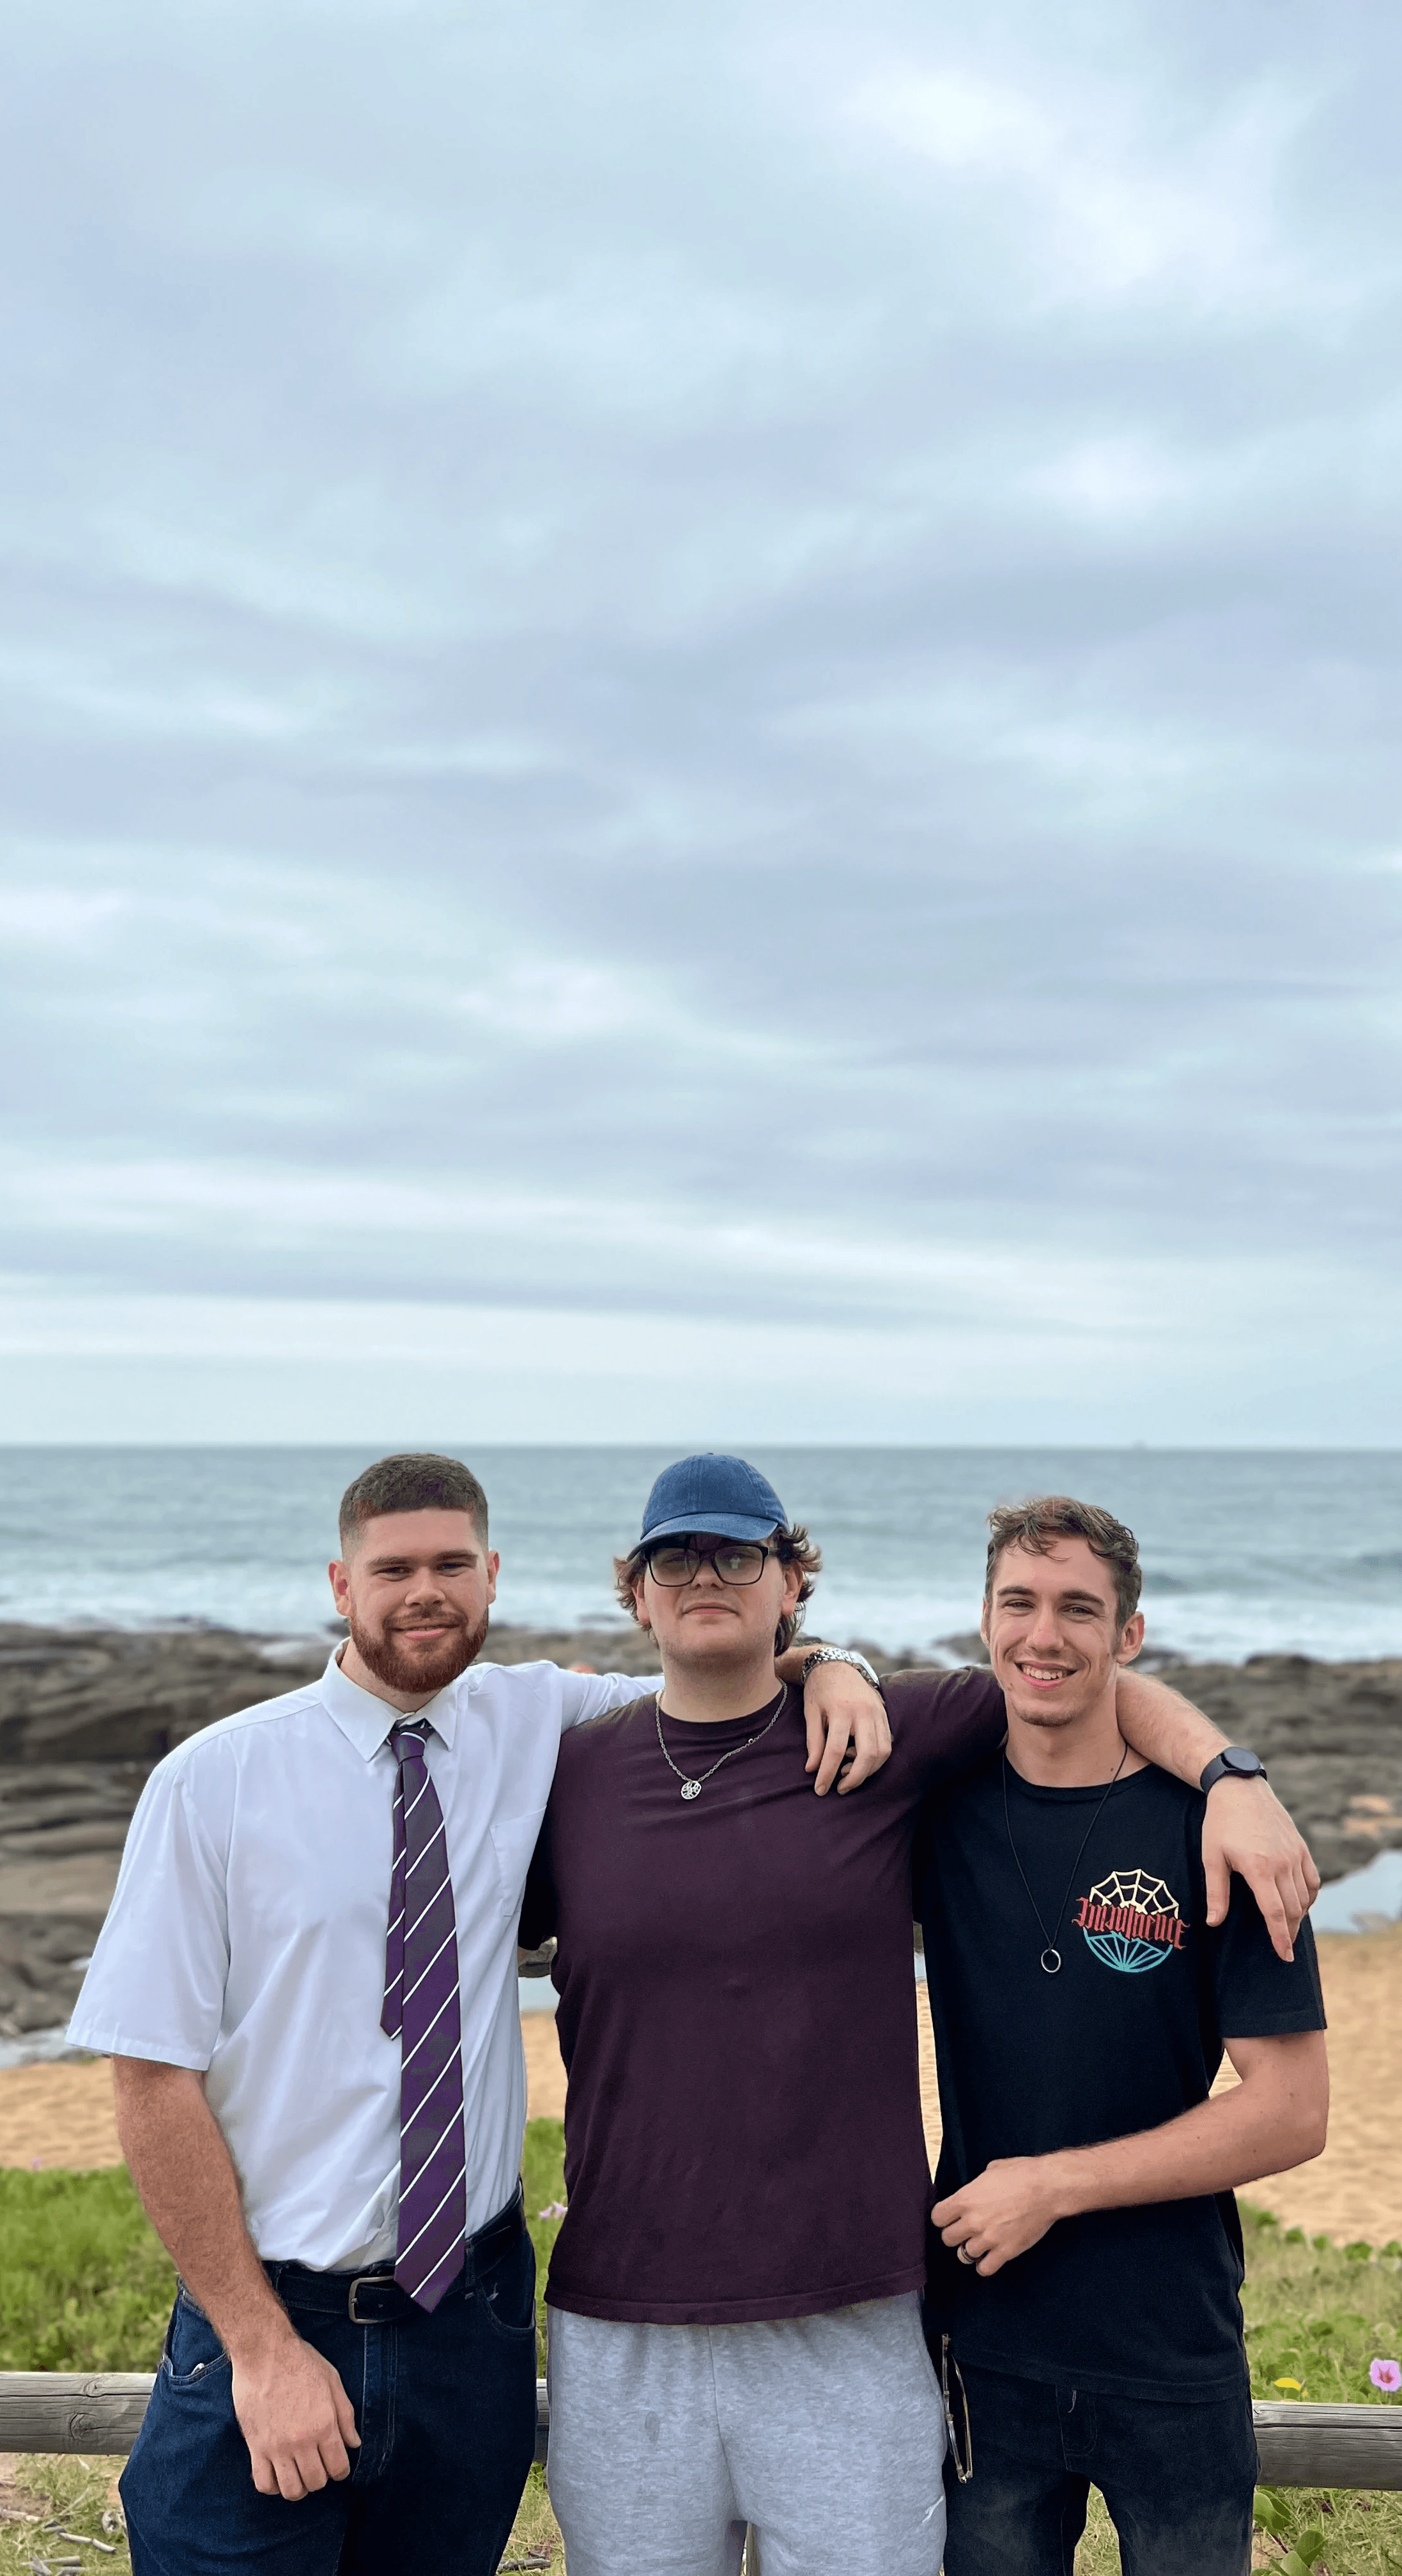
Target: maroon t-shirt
[738,2011]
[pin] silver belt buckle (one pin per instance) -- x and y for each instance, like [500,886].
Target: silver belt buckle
[369,2280]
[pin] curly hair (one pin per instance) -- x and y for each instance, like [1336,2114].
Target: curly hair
[792,1546]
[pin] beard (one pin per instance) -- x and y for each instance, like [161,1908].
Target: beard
[410,1668]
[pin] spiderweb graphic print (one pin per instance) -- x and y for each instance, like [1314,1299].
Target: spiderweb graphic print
[1131,1945]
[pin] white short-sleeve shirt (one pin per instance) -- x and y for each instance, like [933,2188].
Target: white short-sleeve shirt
[246,1938]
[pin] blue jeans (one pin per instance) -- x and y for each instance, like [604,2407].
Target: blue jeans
[444,2405]
[1178,2480]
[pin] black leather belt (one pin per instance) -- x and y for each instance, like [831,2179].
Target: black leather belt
[374,2298]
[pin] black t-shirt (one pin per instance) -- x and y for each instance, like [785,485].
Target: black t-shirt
[738,2010]
[1122,2302]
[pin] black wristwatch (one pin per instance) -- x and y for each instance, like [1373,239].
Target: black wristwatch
[1237,1762]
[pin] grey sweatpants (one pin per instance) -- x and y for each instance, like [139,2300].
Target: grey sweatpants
[826,2433]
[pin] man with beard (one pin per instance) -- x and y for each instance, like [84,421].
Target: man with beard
[307,1986]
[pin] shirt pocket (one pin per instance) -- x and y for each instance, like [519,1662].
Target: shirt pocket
[513,1841]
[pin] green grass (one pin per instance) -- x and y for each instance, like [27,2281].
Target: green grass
[85,2286]
[543,2174]
[74,2493]
[1318,2315]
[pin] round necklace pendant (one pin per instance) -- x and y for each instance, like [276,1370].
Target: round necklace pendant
[692,1789]
[1051,1961]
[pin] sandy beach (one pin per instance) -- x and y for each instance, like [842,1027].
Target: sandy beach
[62,2115]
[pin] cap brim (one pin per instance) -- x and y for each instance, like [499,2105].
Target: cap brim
[711,1525]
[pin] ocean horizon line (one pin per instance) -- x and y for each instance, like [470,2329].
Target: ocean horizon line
[678,1448]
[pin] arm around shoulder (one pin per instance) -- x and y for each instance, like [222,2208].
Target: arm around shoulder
[1245,1828]
[589,1694]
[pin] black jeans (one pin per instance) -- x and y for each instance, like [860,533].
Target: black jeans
[444,2406]
[1178,2480]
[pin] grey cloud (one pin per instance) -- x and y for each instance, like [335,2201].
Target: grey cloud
[725,616]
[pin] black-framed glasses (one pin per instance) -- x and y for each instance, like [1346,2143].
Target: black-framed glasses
[673,1562]
[961,2440]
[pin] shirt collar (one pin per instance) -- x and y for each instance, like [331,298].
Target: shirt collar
[367,1722]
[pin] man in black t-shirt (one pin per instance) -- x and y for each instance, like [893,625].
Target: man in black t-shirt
[1085,2251]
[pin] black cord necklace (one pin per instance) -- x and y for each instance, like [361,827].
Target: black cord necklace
[1051,1956]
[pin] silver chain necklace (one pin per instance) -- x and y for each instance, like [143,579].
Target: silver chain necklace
[693,1788]
[1051,1957]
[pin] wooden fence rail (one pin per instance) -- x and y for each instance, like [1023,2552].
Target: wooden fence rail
[101,2411]
[1301,2445]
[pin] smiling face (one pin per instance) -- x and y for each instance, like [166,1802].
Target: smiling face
[415,1589]
[1052,1627]
[706,1625]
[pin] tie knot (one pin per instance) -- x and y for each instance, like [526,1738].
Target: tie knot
[407,1742]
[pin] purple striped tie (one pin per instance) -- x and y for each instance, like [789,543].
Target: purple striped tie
[421,2003]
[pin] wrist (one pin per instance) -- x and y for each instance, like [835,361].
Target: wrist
[1066,2182]
[258,2336]
[819,1655]
[1234,1762]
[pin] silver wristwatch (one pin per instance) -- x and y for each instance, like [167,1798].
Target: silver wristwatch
[840,1655]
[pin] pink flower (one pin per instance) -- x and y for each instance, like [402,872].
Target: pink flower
[1386,2374]
[556,2209]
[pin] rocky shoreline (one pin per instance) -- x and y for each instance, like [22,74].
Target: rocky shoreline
[85,1713]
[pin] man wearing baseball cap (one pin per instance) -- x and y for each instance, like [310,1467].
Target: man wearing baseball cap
[735,2335]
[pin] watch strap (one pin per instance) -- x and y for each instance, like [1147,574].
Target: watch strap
[841,1655]
[1236,1762]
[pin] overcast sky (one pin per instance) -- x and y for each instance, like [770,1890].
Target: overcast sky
[700,725]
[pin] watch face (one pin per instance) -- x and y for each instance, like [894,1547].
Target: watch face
[1237,1758]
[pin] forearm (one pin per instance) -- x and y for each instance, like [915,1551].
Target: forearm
[1245,1828]
[844,1718]
[1233,2138]
[181,2167]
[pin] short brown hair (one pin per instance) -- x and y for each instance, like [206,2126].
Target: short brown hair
[1039,1523]
[415,1480]
[792,1546]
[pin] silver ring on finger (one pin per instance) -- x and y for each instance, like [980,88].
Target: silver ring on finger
[963,2253]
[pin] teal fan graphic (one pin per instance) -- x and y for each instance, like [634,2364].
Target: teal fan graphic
[1129,1951]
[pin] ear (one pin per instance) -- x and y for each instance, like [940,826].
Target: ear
[340,1584]
[1131,1639]
[793,1585]
[983,1619]
[639,1612]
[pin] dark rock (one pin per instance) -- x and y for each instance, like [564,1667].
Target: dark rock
[968,1646]
[84,1715]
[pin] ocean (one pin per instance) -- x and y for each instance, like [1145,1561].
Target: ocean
[1246,1551]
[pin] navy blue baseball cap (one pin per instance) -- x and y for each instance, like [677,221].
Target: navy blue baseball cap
[724,1496]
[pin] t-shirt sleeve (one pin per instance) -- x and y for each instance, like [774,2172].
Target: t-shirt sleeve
[959,1718]
[155,1986]
[1256,1994]
[589,1695]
